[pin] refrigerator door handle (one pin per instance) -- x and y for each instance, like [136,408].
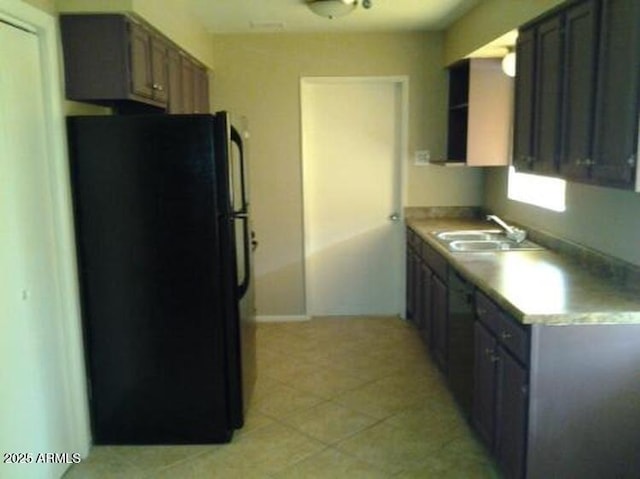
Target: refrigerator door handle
[246,245]
[236,138]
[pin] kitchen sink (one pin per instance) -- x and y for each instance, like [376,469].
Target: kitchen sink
[470,235]
[491,245]
[471,241]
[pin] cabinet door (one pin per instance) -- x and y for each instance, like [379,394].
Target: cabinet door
[484,390]
[548,94]
[175,81]
[426,303]
[616,132]
[439,312]
[187,86]
[579,90]
[524,103]
[141,75]
[411,281]
[418,312]
[511,415]
[159,69]
[201,90]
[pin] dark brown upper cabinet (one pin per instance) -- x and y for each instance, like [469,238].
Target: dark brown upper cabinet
[539,89]
[174,61]
[616,121]
[548,94]
[108,59]
[200,90]
[187,79]
[117,60]
[523,151]
[578,92]
[140,53]
[159,61]
[578,108]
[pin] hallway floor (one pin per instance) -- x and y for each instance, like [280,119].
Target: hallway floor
[335,398]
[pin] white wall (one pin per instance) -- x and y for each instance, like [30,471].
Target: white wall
[259,75]
[604,219]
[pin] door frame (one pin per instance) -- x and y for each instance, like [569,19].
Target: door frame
[402,82]
[44,26]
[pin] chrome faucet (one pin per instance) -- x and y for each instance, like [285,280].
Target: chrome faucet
[513,233]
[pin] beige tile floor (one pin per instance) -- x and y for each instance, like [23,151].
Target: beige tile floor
[335,398]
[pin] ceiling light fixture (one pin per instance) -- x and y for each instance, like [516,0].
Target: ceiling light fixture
[509,64]
[335,8]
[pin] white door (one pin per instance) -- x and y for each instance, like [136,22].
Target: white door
[33,385]
[352,143]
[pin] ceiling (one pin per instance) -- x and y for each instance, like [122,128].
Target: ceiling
[261,16]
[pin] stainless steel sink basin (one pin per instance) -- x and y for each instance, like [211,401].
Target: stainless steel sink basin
[470,241]
[491,245]
[470,235]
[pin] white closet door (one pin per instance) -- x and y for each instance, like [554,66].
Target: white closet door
[33,410]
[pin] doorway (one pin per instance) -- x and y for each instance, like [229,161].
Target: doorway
[353,139]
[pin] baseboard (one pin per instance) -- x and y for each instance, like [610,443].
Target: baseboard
[282,319]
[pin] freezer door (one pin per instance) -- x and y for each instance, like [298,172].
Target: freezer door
[237,173]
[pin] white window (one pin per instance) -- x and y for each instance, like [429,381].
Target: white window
[537,190]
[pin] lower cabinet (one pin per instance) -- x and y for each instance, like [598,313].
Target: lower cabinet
[548,400]
[511,414]
[500,402]
[411,265]
[425,287]
[484,386]
[427,295]
[500,399]
[439,321]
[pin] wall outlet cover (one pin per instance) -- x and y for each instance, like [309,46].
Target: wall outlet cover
[421,157]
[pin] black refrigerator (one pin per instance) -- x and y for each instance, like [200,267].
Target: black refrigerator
[164,247]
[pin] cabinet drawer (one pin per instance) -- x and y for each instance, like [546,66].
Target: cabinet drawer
[513,337]
[509,333]
[485,309]
[434,260]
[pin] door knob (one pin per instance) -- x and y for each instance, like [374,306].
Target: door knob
[394,217]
